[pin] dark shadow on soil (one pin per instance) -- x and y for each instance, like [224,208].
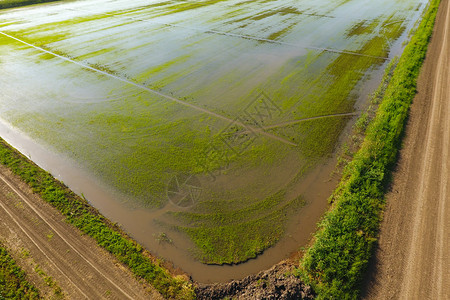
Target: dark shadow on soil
[275,283]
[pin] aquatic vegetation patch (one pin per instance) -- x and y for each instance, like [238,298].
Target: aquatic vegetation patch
[215,126]
[280,33]
[363,27]
[240,241]
[188,5]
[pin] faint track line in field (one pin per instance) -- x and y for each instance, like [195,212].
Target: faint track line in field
[248,37]
[173,99]
[56,231]
[293,122]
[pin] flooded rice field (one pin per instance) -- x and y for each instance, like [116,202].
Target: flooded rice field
[205,128]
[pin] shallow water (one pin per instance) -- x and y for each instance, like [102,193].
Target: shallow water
[188,118]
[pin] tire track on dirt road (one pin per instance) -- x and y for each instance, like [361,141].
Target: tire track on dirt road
[80,268]
[413,258]
[27,231]
[33,240]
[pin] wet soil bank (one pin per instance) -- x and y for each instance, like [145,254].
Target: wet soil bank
[276,283]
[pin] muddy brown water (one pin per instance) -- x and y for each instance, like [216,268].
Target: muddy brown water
[318,186]
[315,187]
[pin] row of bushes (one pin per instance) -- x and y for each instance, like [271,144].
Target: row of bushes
[16,3]
[79,213]
[13,282]
[335,264]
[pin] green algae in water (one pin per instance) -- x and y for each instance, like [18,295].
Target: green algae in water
[243,158]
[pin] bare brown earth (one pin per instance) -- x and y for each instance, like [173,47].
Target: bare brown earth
[413,257]
[278,282]
[58,259]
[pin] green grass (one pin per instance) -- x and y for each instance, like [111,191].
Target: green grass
[136,141]
[335,264]
[280,33]
[13,282]
[186,6]
[234,236]
[17,3]
[91,222]
[57,292]
[363,27]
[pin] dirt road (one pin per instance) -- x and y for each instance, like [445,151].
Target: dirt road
[55,254]
[413,259]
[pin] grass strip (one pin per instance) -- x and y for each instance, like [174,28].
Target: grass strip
[17,3]
[79,213]
[13,282]
[336,262]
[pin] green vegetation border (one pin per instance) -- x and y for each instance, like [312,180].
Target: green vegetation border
[13,281]
[17,3]
[337,260]
[108,235]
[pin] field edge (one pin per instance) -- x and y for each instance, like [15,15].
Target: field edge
[78,212]
[334,265]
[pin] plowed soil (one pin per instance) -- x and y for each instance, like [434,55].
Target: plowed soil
[58,259]
[413,258]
